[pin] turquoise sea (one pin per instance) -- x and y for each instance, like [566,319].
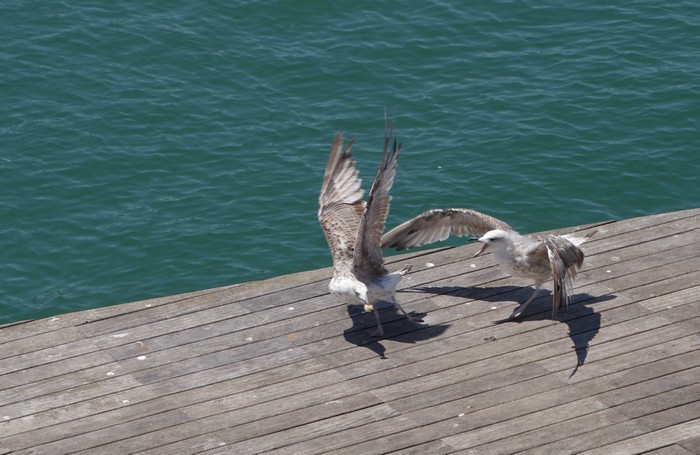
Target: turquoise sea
[154,148]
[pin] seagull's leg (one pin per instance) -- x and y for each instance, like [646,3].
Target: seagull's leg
[408,316]
[379,332]
[519,311]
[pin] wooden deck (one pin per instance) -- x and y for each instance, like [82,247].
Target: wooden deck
[279,367]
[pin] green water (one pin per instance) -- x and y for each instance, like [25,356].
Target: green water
[152,149]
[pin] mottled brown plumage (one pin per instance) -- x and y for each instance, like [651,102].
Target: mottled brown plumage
[354,228]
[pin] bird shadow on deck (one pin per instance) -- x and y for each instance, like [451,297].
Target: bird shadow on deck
[396,327]
[582,320]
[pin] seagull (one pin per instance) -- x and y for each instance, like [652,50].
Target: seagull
[554,256]
[353,229]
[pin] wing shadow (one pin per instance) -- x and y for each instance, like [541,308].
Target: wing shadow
[396,327]
[582,320]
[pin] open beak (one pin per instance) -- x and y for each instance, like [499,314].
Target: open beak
[483,248]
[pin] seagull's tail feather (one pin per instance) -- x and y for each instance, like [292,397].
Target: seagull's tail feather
[565,262]
[565,259]
[562,292]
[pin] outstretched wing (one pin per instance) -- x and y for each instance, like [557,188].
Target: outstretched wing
[565,259]
[369,261]
[438,224]
[340,204]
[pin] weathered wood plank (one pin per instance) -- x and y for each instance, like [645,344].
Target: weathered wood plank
[670,450]
[691,444]
[114,439]
[44,372]
[32,328]
[466,402]
[81,404]
[42,341]
[34,389]
[446,419]
[480,360]
[198,444]
[409,389]
[507,434]
[243,390]
[512,440]
[299,436]
[48,408]
[591,438]
[330,437]
[682,397]
[680,297]
[225,411]
[650,441]
[432,447]
[233,429]
[52,354]
[142,434]
[431,429]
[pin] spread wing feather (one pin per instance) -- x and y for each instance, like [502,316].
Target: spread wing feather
[340,204]
[438,224]
[369,261]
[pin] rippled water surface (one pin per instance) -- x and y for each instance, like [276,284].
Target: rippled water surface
[149,150]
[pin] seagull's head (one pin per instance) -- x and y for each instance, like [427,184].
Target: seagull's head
[360,291]
[351,291]
[492,238]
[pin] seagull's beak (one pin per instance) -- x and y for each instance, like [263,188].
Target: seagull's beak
[483,248]
[368,306]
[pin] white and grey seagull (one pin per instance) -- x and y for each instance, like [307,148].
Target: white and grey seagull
[353,229]
[554,256]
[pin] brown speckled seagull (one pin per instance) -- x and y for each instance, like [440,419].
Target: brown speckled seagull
[353,229]
[554,256]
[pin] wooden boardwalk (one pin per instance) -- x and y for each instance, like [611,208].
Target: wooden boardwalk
[279,367]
